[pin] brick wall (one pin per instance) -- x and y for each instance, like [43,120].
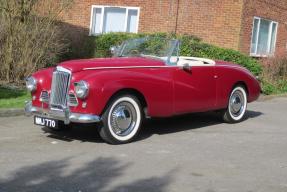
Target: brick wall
[216,22]
[275,10]
[155,15]
[226,23]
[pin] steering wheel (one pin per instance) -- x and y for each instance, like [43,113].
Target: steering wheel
[134,52]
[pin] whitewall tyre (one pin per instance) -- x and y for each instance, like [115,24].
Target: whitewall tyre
[121,120]
[237,105]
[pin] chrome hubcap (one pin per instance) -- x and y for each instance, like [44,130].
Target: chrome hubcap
[123,118]
[237,103]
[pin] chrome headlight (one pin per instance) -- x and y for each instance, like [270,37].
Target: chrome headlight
[81,89]
[31,84]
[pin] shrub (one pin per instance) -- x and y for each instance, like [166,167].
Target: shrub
[274,75]
[98,46]
[196,48]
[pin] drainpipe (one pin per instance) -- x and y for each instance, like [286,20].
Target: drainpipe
[176,18]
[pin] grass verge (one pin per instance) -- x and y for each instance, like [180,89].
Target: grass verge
[13,97]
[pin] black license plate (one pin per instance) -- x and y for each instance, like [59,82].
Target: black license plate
[47,122]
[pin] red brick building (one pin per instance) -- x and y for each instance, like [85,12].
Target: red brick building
[255,27]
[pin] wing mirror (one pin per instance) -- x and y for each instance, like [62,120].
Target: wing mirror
[114,50]
[186,67]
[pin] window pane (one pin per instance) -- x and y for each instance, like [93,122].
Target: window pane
[114,19]
[262,48]
[132,21]
[96,21]
[254,35]
[273,36]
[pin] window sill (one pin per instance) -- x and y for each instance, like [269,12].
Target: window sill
[261,56]
[93,35]
[97,34]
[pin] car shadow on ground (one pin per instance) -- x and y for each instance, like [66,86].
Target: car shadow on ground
[159,126]
[186,122]
[80,132]
[96,175]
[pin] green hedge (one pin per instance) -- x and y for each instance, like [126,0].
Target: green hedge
[98,46]
[197,48]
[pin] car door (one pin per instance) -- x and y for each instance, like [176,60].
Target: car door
[194,89]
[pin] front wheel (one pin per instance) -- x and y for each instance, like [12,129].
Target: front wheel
[121,120]
[237,105]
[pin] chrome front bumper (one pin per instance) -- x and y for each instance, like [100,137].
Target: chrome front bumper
[65,115]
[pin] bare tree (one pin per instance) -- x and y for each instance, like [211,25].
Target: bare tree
[29,36]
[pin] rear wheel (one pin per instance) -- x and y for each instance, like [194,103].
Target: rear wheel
[237,105]
[121,120]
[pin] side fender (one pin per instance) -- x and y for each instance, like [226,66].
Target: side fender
[228,77]
[154,84]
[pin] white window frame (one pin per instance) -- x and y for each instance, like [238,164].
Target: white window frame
[102,7]
[269,37]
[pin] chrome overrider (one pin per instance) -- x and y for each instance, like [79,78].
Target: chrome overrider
[63,115]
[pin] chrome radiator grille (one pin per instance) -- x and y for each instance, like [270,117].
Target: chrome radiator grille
[59,89]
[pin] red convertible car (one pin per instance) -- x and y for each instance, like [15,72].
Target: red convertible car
[145,78]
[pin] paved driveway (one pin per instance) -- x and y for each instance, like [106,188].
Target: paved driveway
[187,153]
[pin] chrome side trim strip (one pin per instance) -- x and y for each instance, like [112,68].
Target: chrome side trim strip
[137,67]
[127,67]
